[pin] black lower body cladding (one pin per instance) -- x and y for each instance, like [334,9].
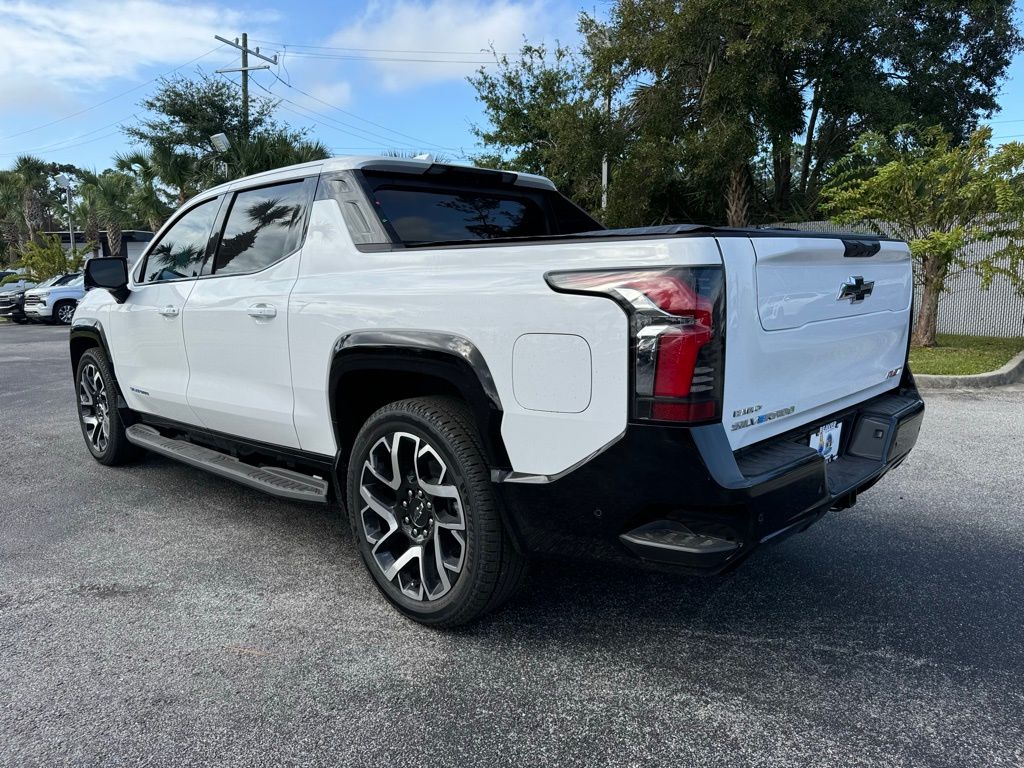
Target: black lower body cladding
[697,506]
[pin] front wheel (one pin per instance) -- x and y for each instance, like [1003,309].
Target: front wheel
[425,516]
[64,312]
[98,415]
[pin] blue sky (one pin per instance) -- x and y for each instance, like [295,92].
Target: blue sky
[362,75]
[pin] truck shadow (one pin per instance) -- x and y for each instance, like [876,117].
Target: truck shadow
[916,596]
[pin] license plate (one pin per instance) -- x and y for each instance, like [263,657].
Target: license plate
[826,440]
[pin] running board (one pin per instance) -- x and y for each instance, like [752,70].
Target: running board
[273,480]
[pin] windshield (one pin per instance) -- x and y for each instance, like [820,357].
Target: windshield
[76,282]
[49,281]
[65,279]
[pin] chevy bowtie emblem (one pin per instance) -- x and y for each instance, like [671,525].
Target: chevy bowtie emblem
[855,289]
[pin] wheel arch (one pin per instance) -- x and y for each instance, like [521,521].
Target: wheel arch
[373,368]
[88,334]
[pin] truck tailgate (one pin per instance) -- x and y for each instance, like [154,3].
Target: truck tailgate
[814,325]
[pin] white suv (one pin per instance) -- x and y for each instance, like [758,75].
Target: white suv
[55,302]
[481,373]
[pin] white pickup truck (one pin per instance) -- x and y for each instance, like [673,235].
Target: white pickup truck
[480,373]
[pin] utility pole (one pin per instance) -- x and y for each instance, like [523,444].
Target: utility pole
[598,39]
[604,160]
[245,69]
[64,181]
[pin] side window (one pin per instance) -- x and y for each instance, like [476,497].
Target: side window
[263,226]
[180,252]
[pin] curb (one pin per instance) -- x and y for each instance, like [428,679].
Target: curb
[1010,373]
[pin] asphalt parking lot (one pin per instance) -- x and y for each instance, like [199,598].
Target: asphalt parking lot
[153,615]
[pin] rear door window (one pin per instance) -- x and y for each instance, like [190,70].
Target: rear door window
[263,226]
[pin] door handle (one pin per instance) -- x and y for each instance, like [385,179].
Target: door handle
[263,311]
[169,311]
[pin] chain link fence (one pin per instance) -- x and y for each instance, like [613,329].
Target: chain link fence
[964,308]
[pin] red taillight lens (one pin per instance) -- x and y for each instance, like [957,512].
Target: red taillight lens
[677,319]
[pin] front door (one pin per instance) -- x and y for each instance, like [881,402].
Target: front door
[145,332]
[236,318]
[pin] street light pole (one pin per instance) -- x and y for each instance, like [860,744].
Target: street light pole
[63,181]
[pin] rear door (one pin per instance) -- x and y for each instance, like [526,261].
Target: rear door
[814,325]
[145,333]
[236,318]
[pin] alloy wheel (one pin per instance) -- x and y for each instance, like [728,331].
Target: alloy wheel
[94,408]
[65,313]
[413,516]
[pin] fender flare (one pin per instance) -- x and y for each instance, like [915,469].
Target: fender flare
[449,357]
[88,332]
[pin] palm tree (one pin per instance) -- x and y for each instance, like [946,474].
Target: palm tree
[265,152]
[87,212]
[111,193]
[177,170]
[11,218]
[146,197]
[31,176]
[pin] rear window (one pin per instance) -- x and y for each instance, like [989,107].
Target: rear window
[421,216]
[449,204]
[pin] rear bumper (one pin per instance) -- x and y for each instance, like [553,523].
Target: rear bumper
[681,499]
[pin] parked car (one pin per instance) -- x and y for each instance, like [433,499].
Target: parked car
[481,373]
[55,303]
[12,299]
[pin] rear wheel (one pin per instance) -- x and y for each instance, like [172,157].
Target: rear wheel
[98,415]
[425,515]
[63,312]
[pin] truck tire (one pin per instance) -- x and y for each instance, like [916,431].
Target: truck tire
[63,311]
[98,416]
[425,515]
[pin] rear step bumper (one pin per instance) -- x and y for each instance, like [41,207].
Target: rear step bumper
[273,480]
[680,498]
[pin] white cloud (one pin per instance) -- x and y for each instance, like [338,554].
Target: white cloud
[337,94]
[77,46]
[443,25]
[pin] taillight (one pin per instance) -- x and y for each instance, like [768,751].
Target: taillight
[677,319]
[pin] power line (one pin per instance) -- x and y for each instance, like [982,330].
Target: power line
[54,144]
[381,50]
[393,59]
[112,98]
[69,146]
[332,123]
[418,141]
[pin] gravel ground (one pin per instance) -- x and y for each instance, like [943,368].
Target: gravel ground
[153,615]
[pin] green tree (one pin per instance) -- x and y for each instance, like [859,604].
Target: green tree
[176,148]
[187,111]
[266,151]
[45,257]
[942,198]
[146,199]
[31,177]
[543,118]
[111,194]
[11,219]
[736,109]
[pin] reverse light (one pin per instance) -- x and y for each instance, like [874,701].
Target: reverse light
[677,320]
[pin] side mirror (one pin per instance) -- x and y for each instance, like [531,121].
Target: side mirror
[109,273]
